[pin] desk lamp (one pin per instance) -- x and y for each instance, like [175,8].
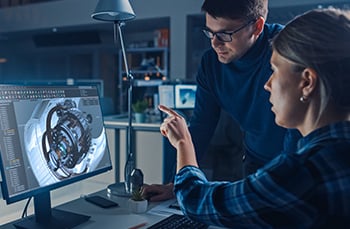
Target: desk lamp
[119,11]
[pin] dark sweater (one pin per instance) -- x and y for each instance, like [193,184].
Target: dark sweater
[238,88]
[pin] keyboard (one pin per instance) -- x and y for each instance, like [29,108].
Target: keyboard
[176,221]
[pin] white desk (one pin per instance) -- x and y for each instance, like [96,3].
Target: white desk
[113,218]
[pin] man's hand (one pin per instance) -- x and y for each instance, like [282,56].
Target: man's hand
[158,192]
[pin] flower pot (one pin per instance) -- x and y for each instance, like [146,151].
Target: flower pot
[140,117]
[138,206]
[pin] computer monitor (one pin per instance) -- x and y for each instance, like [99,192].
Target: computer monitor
[185,96]
[50,136]
[166,95]
[178,96]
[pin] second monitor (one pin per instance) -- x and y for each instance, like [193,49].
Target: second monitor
[178,96]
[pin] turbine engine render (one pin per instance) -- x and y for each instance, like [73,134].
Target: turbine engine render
[67,147]
[69,140]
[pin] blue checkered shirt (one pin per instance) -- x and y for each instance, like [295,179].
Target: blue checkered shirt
[306,189]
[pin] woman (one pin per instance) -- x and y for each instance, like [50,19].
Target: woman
[310,91]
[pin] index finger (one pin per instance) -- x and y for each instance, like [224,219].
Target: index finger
[167,110]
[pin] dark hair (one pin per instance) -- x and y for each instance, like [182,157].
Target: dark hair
[320,39]
[236,9]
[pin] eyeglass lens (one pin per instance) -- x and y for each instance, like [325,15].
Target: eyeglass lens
[224,36]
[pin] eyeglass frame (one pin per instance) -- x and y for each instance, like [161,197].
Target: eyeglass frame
[210,34]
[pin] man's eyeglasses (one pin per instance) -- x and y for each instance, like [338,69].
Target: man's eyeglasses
[225,36]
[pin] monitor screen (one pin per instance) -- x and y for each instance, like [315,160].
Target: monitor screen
[185,96]
[178,96]
[166,95]
[50,136]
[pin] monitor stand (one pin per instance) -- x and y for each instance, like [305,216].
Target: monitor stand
[59,219]
[45,217]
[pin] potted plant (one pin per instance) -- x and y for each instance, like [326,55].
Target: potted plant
[137,203]
[139,108]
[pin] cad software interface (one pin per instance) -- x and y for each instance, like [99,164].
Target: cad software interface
[49,135]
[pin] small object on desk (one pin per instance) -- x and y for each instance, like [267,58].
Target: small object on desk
[101,201]
[136,180]
[138,206]
[138,226]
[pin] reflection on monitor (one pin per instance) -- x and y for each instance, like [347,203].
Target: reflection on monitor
[51,136]
[185,96]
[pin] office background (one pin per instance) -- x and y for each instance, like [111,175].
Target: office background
[57,41]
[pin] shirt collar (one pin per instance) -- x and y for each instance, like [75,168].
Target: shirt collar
[256,51]
[335,131]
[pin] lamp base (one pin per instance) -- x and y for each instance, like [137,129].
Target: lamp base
[118,189]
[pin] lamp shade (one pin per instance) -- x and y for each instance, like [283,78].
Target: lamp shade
[113,10]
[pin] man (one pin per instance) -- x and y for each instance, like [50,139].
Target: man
[231,78]
[309,91]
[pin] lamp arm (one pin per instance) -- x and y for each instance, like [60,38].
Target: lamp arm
[130,161]
[120,24]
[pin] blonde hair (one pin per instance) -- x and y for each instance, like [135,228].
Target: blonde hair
[320,39]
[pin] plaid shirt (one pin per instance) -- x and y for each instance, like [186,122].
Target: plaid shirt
[306,189]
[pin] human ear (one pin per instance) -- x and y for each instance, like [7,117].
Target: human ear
[309,79]
[259,26]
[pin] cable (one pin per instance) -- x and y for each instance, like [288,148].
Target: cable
[24,213]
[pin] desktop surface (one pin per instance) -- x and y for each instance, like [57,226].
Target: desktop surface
[121,122]
[116,217]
